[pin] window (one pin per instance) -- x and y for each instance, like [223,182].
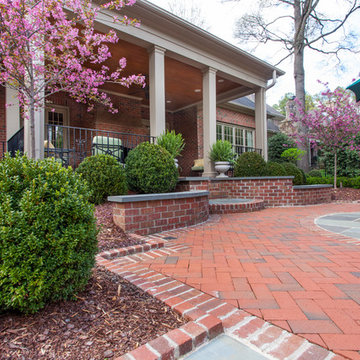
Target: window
[240,138]
[55,118]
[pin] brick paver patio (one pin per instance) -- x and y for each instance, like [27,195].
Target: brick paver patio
[278,265]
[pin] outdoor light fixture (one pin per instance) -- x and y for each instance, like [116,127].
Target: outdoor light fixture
[197,90]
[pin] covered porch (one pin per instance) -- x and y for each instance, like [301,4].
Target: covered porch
[189,72]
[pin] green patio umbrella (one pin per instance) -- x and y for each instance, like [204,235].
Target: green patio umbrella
[355,88]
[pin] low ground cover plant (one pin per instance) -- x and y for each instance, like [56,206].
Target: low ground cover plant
[150,169]
[104,175]
[47,233]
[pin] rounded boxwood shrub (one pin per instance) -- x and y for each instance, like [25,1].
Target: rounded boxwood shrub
[249,164]
[104,175]
[150,169]
[315,173]
[47,233]
[292,170]
[274,169]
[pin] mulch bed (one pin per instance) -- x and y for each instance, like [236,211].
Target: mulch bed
[346,194]
[109,318]
[111,236]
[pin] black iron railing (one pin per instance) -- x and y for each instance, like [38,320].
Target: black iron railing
[238,149]
[16,143]
[72,144]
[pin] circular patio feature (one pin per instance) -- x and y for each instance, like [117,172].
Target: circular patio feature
[342,223]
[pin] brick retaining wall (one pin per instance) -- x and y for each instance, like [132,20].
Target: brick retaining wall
[274,191]
[152,213]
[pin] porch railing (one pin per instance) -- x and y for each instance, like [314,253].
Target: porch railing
[238,149]
[73,144]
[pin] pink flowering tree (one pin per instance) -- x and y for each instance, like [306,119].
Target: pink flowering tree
[48,46]
[332,125]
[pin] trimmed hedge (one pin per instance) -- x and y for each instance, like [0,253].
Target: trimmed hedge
[104,175]
[249,164]
[346,181]
[47,233]
[274,169]
[150,169]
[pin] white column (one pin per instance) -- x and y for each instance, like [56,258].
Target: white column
[12,112]
[261,122]
[157,90]
[209,118]
[39,124]
[39,133]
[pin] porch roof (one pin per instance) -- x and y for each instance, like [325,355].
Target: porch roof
[163,20]
[189,50]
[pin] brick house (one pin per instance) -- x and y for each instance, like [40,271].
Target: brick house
[193,80]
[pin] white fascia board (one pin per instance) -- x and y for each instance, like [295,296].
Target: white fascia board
[183,50]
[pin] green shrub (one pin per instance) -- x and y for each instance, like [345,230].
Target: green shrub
[354,182]
[249,164]
[150,169]
[292,170]
[315,173]
[292,155]
[313,180]
[276,146]
[221,151]
[104,175]
[173,143]
[47,233]
[274,169]
[303,176]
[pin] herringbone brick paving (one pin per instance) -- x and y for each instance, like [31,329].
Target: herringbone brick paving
[276,264]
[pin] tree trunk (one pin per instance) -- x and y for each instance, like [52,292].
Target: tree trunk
[299,72]
[335,170]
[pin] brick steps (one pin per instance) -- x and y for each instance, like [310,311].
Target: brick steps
[228,206]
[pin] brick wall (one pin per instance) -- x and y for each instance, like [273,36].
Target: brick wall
[235,118]
[148,217]
[186,124]
[2,120]
[273,191]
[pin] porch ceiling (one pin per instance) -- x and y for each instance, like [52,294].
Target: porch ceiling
[182,81]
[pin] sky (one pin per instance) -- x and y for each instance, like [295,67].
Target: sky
[221,17]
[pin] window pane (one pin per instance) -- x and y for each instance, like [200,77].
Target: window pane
[239,137]
[228,134]
[249,138]
[218,132]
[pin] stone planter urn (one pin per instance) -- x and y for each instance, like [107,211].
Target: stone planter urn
[222,167]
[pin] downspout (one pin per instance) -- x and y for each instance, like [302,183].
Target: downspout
[274,80]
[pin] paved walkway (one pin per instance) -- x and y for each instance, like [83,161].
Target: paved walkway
[346,224]
[278,265]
